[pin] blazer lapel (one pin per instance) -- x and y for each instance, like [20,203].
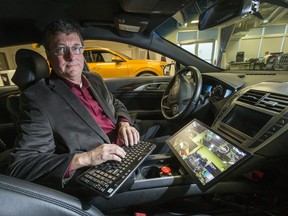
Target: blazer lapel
[63,90]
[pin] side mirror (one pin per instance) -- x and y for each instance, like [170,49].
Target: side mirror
[169,69]
[117,59]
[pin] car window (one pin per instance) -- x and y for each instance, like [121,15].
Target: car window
[126,56]
[103,54]
[97,56]
[106,57]
[88,57]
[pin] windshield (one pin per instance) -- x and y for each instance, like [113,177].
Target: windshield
[244,41]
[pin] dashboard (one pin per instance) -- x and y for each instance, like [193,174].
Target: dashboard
[218,86]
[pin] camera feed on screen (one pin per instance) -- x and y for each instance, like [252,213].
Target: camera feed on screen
[204,152]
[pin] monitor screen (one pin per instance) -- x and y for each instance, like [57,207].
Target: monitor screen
[204,154]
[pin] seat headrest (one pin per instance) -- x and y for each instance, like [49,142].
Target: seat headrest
[31,67]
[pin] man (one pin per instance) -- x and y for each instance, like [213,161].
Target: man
[70,121]
[266,56]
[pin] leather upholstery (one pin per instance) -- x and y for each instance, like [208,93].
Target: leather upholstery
[23,198]
[31,67]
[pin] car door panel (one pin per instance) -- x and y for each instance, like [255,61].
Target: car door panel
[141,95]
[108,69]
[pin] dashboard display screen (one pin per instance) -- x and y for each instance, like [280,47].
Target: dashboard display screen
[216,91]
[204,154]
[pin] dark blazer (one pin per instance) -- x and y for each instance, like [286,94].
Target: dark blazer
[54,125]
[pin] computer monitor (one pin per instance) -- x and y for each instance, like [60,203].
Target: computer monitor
[205,155]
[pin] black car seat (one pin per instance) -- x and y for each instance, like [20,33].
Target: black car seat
[23,198]
[31,67]
[4,156]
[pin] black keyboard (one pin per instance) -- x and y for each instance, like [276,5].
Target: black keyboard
[108,177]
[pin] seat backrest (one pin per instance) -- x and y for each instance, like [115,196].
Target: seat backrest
[20,197]
[31,67]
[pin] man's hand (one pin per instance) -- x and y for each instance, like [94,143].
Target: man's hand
[127,134]
[97,156]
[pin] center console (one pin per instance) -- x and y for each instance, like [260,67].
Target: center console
[255,120]
[151,175]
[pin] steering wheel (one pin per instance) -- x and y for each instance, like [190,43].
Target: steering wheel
[182,93]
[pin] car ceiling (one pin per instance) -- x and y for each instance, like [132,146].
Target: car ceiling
[24,21]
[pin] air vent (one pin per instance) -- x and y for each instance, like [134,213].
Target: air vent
[252,97]
[266,100]
[274,102]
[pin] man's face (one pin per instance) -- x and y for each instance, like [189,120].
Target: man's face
[69,64]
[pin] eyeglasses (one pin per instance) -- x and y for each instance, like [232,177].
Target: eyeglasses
[62,50]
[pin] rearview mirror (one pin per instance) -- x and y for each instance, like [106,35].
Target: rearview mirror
[226,10]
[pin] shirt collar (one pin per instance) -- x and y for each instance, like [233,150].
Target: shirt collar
[71,85]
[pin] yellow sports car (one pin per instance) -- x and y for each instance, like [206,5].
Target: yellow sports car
[109,63]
